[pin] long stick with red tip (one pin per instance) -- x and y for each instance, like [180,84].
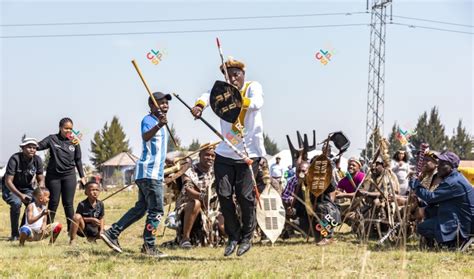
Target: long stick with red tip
[249,162]
[222,60]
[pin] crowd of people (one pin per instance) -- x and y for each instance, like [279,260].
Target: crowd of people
[216,196]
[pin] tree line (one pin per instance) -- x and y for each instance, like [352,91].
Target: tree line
[429,129]
[112,140]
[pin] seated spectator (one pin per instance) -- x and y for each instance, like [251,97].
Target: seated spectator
[89,217]
[17,187]
[345,184]
[36,228]
[455,199]
[197,206]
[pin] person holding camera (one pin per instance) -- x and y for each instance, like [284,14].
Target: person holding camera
[17,186]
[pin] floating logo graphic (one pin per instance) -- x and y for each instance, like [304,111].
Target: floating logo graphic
[155,56]
[326,226]
[74,136]
[404,136]
[235,137]
[153,226]
[324,56]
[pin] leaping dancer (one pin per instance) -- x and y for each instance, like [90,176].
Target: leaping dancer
[244,131]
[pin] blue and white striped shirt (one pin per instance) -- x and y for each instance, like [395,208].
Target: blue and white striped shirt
[152,162]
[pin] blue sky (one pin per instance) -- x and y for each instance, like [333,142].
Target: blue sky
[91,79]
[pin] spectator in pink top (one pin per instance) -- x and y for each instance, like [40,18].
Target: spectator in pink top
[344,184]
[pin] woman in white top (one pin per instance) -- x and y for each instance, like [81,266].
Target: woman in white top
[401,169]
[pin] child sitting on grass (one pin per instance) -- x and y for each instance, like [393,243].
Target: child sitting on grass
[89,217]
[35,228]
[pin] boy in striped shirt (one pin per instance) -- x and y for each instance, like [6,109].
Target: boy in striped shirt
[149,174]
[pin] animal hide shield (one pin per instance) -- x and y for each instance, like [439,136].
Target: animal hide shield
[271,214]
[319,175]
[226,101]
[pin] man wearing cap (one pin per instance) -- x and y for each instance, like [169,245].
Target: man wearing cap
[149,173]
[17,186]
[233,175]
[455,199]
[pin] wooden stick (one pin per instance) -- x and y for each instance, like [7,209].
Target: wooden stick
[152,98]
[354,197]
[196,151]
[296,227]
[116,192]
[164,227]
[247,160]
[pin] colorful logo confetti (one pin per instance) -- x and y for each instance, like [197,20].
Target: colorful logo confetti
[155,57]
[403,136]
[327,225]
[324,56]
[75,136]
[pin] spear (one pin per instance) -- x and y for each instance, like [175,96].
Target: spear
[224,66]
[227,79]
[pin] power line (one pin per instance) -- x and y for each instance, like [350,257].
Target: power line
[179,20]
[435,21]
[222,30]
[432,28]
[184,31]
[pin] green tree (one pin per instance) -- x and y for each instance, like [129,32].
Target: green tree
[171,145]
[108,142]
[395,144]
[194,145]
[461,143]
[421,130]
[431,131]
[438,139]
[367,153]
[270,146]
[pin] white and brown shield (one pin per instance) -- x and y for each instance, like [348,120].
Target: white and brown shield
[271,213]
[319,175]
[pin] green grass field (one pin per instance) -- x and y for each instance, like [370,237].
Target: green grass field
[286,259]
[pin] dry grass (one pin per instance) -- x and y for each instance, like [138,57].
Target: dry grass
[289,259]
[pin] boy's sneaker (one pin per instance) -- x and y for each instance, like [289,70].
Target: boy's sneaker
[153,251]
[111,241]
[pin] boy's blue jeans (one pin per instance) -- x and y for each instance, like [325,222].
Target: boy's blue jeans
[150,200]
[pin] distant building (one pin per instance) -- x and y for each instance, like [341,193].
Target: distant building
[119,169]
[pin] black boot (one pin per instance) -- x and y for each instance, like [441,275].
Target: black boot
[230,248]
[243,247]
